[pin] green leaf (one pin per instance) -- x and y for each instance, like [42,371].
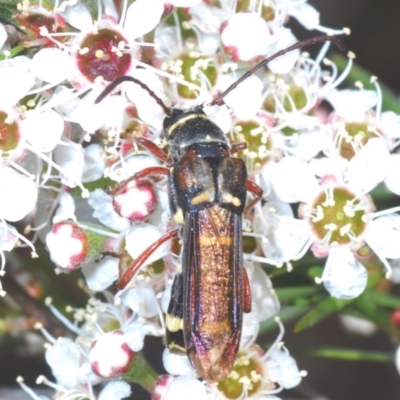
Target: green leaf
[389,99]
[324,309]
[287,314]
[344,354]
[385,299]
[370,311]
[291,293]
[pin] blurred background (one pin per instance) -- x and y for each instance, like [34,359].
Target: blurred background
[375,27]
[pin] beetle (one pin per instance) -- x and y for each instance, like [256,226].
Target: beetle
[207,190]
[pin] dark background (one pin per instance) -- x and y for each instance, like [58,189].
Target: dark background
[375,26]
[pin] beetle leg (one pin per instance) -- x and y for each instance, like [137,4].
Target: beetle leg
[257,191]
[144,173]
[238,146]
[153,148]
[134,268]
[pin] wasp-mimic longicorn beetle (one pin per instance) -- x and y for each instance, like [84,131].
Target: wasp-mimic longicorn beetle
[207,196]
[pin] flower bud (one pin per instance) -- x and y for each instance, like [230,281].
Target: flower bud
[110,355]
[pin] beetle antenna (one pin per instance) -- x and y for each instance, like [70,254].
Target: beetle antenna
[108,89]
[304,43]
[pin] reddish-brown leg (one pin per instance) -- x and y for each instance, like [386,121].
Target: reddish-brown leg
[238,146]
[144,173]
[153,148]
[257,191]
[246,292]
[134,268]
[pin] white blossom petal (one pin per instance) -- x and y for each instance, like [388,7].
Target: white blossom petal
[101,202]
[142,17]
[178,364]
[283,64]
[100,275]
[94,163]
[52,65]
[293,180]
[16,78]
[115,390]
[70,157]
[65,209]
[142,236]
[282,368]
[246,99]
[63,358]
[369,166]
[344,277]
[392,180]
[306,14]
[77,15]
[18,195]
[383,234]
[43,130]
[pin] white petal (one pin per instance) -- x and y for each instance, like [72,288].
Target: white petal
[369,166]
[70,157]
[18,195]
[344,277]
[178,364]
[142,236]
[149,111]
[94,163]
[352,104]
[16,78]
[101,202]
[293,180]
[286,236]
[100,275]
[142,300]
[264,298]
[184,388]
[66,100]
[283,64]
[142,17]
[43,130]
[306,14]
[383,235]
[282,368]
[246,99]
[332,165]
[392,180]
[52,65]
[136,333]
[247,36]
[65,209]
[89,115]
[115,391]
[64,359]
[77,15]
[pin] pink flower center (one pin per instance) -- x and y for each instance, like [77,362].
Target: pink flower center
[100,55]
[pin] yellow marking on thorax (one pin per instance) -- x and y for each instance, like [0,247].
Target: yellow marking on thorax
[183,120]
[211,240]
[202,197]
[228,198]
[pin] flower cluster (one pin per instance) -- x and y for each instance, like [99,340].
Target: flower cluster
[68,164]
